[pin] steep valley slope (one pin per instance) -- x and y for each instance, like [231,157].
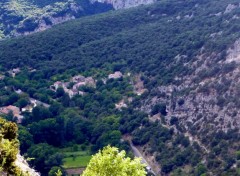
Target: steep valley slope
[23,17]
[188,57]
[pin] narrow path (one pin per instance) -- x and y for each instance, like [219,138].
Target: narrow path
[137,153]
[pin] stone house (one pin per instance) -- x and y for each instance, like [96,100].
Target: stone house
[15,110]
[115,75]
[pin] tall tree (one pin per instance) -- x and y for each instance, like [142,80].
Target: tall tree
[111,162]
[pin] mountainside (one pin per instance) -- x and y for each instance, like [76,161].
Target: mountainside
[22,17]
[181,58]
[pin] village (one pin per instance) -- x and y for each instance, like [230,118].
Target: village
[72,88]
[14,111]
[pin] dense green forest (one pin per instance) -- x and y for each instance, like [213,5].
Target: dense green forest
[141,41]
[20,17]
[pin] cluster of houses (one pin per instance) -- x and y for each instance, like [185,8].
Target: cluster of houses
[14,72]
[14,110]
[77,82]
[72,87]
[115,75]
[17,112]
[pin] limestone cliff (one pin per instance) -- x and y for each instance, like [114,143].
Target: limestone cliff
[23,165]
[123,4]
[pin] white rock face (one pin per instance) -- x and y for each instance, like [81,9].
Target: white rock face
[23,165]
[124,4]
[230,8]
[233,53]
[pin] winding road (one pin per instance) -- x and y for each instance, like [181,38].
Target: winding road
[137,153]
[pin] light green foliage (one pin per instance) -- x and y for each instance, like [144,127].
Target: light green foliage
[76,159]
[8,148]
[58,173]
[111,162]
[55,171]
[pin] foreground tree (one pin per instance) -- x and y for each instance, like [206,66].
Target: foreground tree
[8,148]
[111,162]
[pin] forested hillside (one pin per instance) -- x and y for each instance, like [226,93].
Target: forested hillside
[22,17]
[173,94]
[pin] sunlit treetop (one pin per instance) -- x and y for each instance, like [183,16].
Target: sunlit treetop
[111,162]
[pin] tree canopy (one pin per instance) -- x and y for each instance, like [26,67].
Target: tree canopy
[8,148]
[111,162]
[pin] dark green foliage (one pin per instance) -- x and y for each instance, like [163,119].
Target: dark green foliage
[60,92]
[13,98]
[45,157]
[173,120]
[8,148]
[22,102]
[28,25]
[26,139]
[159,108]
[142,39]
[201,169]
[40,113]
[145,41]
[28,15]
[90,120]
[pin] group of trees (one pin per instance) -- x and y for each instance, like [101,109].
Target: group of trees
[107,162]
[89,120]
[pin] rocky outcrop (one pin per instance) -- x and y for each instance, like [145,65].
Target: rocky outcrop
[23,165]
[206,97]
[233,53]
[231,7]
[123,4]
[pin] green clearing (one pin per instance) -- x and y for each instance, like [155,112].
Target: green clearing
[76,162]
[76,159]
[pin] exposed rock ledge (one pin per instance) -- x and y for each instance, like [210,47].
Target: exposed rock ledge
[23,165]
[124,4]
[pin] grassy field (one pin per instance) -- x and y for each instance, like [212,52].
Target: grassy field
[79,161]
[76,159]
